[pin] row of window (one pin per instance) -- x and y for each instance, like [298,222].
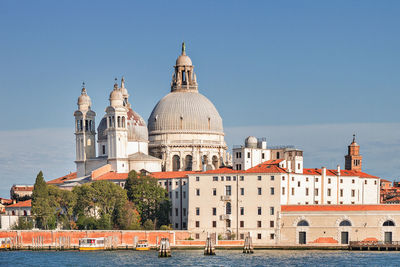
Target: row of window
[228,210]
[177,212]
[177,195]
[316,192]
[241,224]
[345,223]
[329,180]
[228,191]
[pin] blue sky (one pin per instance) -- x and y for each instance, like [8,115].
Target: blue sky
[308,68]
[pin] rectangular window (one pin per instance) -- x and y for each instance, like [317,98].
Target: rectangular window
[271,236]
[197,236]
[241,178]
[328,202]
[197,178]
[242,191]
[272,191]
[352,202]
[176,183]
[283,190]
[214,224]
[272,178]
[241,236]
[104,149]
[198,211]
[214,191]
[228,190]
[292,191]
[353,193]
[329,192]
[316,202]
[352,181]
[241,210]
[259,210]
[271,211]
[307,191]
[283,178]
[197,224]
[341,192]
[170,195]
[259,236]
[306,179]
[259,224]
[197,192]
[176,212]
[222,178]
[184,211]
[184,225]
[316,179]
[176,225]
[248,154]
[234,178]
[215,178]
[341,181]
[259,178]
[316,192]
[271,224]
[228,178]
[184,194]
[292,179]
[365,182]
[298,184]
[214,211]
[259,191]
[329,180]
[263,156]
[241,224]
[176,194]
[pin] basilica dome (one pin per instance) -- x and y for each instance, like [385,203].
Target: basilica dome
[185,112]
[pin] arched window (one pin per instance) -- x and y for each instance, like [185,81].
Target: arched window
[228,208]
[25,213]
[215,162]
[345,223]
[109,122]
[388,223]
[119,121]
[176,163]
[123,122]
[303,223]
[81,126]
[188,163]
[86,125]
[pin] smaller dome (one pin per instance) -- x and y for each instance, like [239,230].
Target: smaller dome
[183,60]
[251,142]
[84,101]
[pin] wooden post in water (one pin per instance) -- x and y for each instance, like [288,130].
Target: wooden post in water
[248,245]
[209,248]
[165,248]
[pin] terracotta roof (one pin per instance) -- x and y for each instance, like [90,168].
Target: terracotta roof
[112,176]
[305,208]
[393,199]
[222,170]
[273,161]
[22,204]
[166,175]
[6,201]
[335,173]
[385,181]
[266,167]
[63,179]
[22,188]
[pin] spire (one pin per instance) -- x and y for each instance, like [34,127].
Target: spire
[122,82]
[183,48]
[354,138]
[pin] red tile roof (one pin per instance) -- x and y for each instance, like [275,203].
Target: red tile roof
[22,188]
[6,201]
[112,176]
[266,168]
[166,175]
[63,179]
[305,208]
[22,204]
[335,173]
[385,181]
[223,170]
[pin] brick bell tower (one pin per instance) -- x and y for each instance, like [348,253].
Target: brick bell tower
[353,160]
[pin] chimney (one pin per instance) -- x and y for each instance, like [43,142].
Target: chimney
[338,170]
[323,171]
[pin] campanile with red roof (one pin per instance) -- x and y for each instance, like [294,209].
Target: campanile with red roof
[353,160]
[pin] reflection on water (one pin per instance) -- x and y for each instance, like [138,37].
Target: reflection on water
[196,258]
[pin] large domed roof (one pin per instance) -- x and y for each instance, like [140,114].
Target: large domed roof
[137,129]
[185,112]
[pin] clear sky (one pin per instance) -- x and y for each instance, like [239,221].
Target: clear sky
[275,64]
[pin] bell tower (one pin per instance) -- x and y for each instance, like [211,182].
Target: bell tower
[85,132]
[117,132]
[353,159]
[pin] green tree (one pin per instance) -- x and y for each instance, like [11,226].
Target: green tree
[41,210]
[150,199]
[24,223]
[128,218]
[62,202]
[148,225]
[98,205]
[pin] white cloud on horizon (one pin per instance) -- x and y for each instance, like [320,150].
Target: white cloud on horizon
[25,152]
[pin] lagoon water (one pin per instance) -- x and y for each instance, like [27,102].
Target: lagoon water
[196,258]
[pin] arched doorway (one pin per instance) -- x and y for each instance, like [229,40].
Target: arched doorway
[176,163]
[344,235]
[388,238]
[188,163]
[303,234]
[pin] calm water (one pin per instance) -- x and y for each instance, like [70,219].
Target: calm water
[196,258]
